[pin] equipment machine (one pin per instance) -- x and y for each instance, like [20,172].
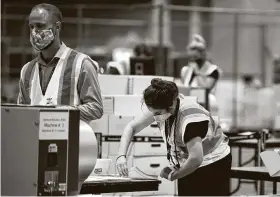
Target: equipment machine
[45,150]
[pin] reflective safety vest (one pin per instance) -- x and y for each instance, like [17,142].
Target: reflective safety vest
[62,87]
[206,69]
[215,143]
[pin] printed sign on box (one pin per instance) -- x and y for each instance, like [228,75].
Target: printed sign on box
[53,125]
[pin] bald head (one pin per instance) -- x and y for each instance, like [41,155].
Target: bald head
[49,11]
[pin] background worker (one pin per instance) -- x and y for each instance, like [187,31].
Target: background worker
[199,72]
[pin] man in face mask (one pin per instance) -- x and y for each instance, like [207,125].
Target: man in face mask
[199,72]
[59,75]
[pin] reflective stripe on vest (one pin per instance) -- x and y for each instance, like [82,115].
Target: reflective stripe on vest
[196,114]
[62,88]
[187,71]
[26,74]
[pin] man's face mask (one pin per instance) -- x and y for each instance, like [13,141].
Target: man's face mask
[195,54]
[41,39]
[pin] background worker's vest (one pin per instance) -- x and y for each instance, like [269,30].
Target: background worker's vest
[207,69]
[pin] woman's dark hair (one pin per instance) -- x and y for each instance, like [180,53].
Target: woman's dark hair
[160,94]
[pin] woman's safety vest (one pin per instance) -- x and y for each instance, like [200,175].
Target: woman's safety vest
[215,143]
[207,69]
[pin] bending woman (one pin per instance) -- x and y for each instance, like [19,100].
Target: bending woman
[197,149]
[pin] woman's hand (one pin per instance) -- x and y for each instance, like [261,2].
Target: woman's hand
[167,173]
[121,165]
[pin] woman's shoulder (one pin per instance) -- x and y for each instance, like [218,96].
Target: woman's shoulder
[189,108]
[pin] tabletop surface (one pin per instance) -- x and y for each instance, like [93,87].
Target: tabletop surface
[252,173]
[114,184]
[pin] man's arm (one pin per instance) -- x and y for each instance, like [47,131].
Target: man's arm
[91,107]
[20,99]
[23,96]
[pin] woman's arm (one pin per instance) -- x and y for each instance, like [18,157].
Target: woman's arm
[194,133]
[194,160]
[130,130]
[134,127]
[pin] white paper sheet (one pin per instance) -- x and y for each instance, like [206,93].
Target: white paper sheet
[271,160]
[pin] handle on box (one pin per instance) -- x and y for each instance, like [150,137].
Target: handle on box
[154,165]
[155,145]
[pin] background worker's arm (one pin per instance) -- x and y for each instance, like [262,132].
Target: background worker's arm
[91,107]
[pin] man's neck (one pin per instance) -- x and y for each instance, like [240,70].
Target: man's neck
[49,53]
[200,62]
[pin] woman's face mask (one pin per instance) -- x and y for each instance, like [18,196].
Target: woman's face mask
[41,39]
[162,117]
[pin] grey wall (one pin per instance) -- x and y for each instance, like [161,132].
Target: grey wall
[250,49]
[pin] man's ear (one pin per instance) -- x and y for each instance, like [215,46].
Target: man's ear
[58,25]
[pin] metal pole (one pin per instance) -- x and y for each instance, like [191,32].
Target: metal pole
[261,148]
[160,41]
[235,68]
[4,22]
[5,67]
[80,26]
[224,10]
[262,53]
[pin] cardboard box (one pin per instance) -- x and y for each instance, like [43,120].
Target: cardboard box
[118,123]
[150,148]
[101,125]
[113,84]
[277,117]
[128,105]
[114,149]
[108,104]
[151,165]
[200,93]
[105,150]
[151,130]
[139,83]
